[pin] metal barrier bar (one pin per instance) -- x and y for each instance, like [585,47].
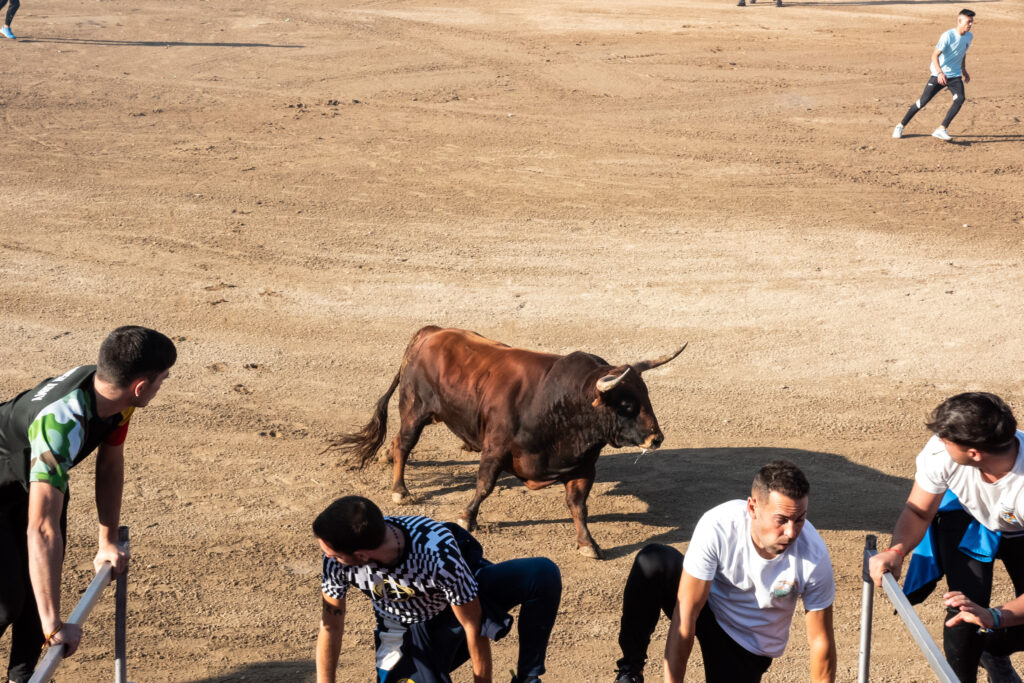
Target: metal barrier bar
[906,611]
[121,615]
[866,613]
[55,655]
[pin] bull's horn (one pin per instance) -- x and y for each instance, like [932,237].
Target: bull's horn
[645,365]
[608,382]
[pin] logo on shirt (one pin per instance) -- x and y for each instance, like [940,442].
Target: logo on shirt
[389,589]
[1008,517]
[782,588]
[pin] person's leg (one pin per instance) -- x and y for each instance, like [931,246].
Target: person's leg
[535,584]
[725,660]
[652,588]
[962,643]
[418,652]
[14,590]
[17,604]
[933,86]
[12,9]
[956,87]
[27,634]
[1003,642]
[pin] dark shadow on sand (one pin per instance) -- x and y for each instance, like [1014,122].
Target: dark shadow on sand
[872,3]
[679,485]
[146,43]
[276,672]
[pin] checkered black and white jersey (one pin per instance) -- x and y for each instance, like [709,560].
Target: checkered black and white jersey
[430,575]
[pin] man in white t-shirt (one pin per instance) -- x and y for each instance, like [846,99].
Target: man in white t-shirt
[977,453]
[949,70]
[736,589]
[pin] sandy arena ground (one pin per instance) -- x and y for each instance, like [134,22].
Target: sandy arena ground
[291,189]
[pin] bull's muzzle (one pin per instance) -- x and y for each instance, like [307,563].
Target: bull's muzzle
[653,441]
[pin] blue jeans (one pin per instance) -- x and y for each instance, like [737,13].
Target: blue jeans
[432,649]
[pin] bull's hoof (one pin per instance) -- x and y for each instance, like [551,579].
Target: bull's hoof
[591,551]
[403,498]
[466,524]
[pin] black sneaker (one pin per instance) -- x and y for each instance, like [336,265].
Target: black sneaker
[741,3]
[628,677]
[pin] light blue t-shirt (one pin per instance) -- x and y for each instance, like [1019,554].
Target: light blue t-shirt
[954,47]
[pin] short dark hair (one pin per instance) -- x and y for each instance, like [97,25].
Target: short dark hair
[975,419]
[130,352]
[782,476]
[351,523]
[967,13]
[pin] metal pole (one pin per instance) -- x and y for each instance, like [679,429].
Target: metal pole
[866,613]
[917,628]
[121,614]
[55,655]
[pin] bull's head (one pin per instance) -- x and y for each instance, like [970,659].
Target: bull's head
[624,394]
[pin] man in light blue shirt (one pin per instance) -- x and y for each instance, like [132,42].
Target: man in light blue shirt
[949,70]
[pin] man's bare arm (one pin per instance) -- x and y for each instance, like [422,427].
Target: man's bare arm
[693,594]
[822,641]
[328,641]
[470,615]
[109,490]
[938,69]
[45,557]
[917,514]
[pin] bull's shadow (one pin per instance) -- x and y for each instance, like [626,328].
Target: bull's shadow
[679,485]
[275,672]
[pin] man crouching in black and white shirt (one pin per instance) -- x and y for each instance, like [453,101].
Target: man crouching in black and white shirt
[438,602]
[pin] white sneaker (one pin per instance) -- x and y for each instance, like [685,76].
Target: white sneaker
[941,134]
[897,132]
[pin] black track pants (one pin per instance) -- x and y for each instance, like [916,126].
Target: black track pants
[955,85]
[17,601]
[962,643]
[11,11]
[651,590]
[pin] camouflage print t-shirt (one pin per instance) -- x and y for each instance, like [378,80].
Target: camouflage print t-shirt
[46,431]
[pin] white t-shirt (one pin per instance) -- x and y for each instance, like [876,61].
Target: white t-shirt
[999,505]
[753,599]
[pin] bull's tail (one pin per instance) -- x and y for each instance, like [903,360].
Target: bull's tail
[365,443]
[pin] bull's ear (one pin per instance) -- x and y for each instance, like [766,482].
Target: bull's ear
[645,365]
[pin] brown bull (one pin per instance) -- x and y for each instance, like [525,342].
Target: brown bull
[540,416]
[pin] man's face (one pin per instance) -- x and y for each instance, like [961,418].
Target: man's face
[964,23]
[776,523]
[344,558]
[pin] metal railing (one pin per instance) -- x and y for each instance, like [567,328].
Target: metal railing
[906,611]
[55,655]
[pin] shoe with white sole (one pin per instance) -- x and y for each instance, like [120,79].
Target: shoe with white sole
[897,132]
[941,134]
[6,33]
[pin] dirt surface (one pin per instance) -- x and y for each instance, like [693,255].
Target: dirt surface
[291,189]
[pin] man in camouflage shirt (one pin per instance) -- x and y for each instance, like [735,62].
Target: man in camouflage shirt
[44,432]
